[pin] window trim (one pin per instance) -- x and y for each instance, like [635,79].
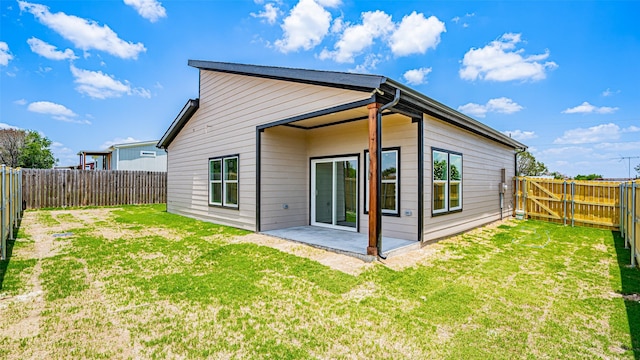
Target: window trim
[447,209]
[365,172]
[223,203]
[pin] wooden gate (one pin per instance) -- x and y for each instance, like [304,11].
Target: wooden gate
[581,203]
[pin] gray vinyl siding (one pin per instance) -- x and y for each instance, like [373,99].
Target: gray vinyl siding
[482,161]
[231,106]
[130,158]
[284,179]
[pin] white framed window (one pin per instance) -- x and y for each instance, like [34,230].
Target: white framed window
[447,181]
[147,153]
[223,181]
[390,190]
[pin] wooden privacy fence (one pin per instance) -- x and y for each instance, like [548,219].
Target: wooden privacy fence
[63,188]
[10,205]
[630,217]
[575,203]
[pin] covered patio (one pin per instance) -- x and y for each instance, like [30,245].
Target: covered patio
[342,241]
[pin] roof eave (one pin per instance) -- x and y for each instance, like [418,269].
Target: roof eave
[453,116]
[178,123]
[134,144]
[358,82]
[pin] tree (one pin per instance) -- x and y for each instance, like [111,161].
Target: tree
[11,144]
[529,166]
[637,169]
[440,170]
[588,177]
[35,153]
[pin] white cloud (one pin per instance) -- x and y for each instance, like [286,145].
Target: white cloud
[416,34]
[520,135]
[586,108]
[473,109]
[20,102]
[269,14]
[370,63]
[337,26]
[49,108]
[71,120]
[564,151]
[84,34]
[610,92]
[142,92]
[330,3]
[619,146]
[456,19]
[99,85]
[631,129]
[417,76]
[57,112]
[151,10]
[5,54]
[7,126]
[44,70]
[356,38]
[502,105]
[49,51]
[305,27]
[500,61]
[594,134]
[119,140]
[65,155]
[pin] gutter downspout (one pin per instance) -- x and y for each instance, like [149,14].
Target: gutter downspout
[395,101]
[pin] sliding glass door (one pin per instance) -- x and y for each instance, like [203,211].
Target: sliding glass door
[334,192]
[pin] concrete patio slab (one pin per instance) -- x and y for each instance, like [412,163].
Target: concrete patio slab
[341,241]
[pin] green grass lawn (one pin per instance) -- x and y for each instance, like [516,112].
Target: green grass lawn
[137,282]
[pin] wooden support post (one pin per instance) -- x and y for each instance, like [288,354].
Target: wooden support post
[374,216]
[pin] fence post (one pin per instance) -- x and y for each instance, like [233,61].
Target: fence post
[524,196]
[564,202]
[19,194]
[573,203]
[633,223]
[623,216]
[10,222]
[517,193]
[3,238]
[621,209]
[627,230]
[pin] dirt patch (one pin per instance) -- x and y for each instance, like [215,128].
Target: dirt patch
[118,232]
[600,247]
[413,258]
[631,297]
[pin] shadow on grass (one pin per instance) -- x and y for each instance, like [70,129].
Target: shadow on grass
[4,264]
[630,290]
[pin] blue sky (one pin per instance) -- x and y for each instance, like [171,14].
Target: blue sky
[562,77]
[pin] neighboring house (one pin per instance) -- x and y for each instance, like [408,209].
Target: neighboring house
[143,156]
[138,156]
[268,148]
